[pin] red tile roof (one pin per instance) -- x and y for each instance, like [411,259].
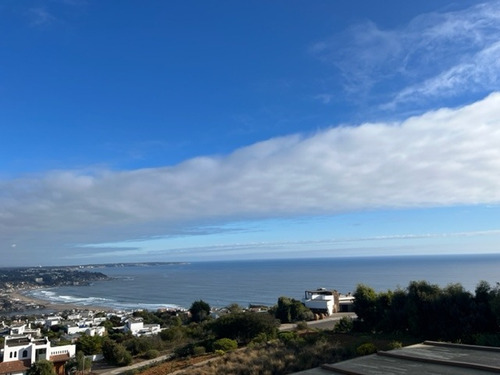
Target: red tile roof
[14,366]
[59,357]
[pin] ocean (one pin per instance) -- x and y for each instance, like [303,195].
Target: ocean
[264,281]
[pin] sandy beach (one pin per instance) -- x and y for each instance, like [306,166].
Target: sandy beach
[29,302]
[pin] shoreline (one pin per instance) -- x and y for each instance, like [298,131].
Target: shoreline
[32,304]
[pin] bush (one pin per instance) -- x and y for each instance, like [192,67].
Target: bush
[116,354]
[225,345]
[287,337]
[395,345]
[42,367]
[365,349]
[302,326]
[185,351]
[151,354]
[290,310]
[345,325]
[199,350]
[260,338]
[243,327]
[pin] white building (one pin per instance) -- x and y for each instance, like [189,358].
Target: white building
[52,321]
[137,327]
[346,303]
[20,352]
[22,329]
[322,301]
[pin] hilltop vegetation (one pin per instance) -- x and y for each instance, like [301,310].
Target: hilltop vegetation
[387,320]
[433,313]
[13,278]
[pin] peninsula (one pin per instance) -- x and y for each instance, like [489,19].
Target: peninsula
[15,280]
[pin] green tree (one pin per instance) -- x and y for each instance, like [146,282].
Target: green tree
[495,302]
[423,309]
[42,367]
[225,344]
[115,321]
[456,311]
[344,325]
[234,308]
[365,306]
[243,327]
[199,310]
[174,335]
[79,362]
[89,344]
[116,353]
[290,310]
[398,315]
[485,319]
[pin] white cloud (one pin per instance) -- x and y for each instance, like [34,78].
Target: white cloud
[41,16]
[436,55]
[442,158]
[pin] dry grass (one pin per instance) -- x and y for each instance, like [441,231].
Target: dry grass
[273,358]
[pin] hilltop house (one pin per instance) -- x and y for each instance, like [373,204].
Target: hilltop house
[137,327]
[20,352]
[322,301]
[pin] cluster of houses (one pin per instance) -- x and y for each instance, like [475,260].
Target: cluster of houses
[24,344]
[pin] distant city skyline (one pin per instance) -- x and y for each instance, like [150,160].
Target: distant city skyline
[184,131]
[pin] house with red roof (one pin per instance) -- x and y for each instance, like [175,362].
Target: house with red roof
[21,351]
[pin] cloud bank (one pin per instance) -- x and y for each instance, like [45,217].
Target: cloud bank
[441,158]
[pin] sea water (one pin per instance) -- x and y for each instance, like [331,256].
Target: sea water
[264,281]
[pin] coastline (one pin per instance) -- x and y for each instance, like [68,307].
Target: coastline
[32,304]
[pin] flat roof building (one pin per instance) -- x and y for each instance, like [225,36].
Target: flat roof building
[429,357]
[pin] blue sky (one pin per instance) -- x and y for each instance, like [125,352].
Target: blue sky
[194,130]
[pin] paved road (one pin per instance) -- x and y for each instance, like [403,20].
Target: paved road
[327,323]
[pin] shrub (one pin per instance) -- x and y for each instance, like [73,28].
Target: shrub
[302,326]
[261,338]
[365,349]
[185,351]
[225,345]
[395,345]
[42,367]
[345,325]
[290,310]
[287,336]
[151,353]
[116,354]
[243,327]
[199,350]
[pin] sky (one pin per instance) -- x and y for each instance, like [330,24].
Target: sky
[194,130]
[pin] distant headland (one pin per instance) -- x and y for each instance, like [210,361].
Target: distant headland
[15,280]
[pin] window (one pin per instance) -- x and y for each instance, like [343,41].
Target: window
[25,353]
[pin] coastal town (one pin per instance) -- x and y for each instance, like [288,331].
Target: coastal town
[32,330]
[292,336]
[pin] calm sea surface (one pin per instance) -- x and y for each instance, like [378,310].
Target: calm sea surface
[264,281]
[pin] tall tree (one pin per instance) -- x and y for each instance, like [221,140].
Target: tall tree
[365,306]
[199,310]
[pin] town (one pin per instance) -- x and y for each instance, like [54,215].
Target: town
[57,338]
